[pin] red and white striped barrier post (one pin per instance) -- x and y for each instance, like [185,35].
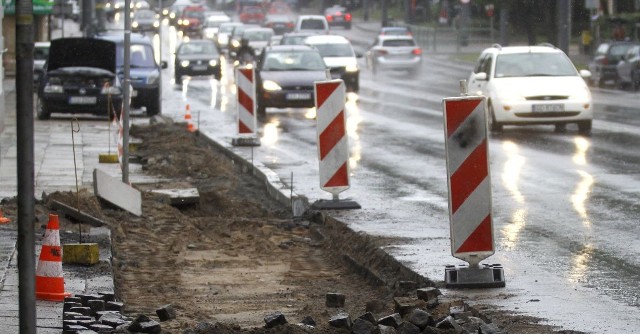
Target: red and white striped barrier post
[469,182]
[246,106]
[333,144]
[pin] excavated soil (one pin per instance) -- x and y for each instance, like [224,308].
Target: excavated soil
[237,255]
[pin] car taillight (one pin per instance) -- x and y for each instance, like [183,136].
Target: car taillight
[604,61]
[347,17]
[382,52]
[417,51]
[290,25]
[329,18]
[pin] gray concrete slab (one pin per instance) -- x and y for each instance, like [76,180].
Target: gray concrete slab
[117,193]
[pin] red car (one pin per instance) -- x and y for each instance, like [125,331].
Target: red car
[338,16]
[191,20]
[252,14]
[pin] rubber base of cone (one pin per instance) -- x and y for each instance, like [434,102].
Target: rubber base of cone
[106,158]
[54,297]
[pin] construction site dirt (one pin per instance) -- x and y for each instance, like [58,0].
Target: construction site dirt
[238,255]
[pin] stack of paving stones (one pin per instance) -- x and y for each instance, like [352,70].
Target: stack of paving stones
[412,317]
[101,313]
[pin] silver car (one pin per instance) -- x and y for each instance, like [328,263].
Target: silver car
[394,52]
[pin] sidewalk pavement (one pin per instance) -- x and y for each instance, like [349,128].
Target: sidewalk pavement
[53,171]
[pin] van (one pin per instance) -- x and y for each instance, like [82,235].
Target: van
[144,72]
[312,23]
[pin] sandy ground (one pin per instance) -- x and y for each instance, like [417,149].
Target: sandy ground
[234,257]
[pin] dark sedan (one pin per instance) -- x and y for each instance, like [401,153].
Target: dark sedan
[80,77]
[286,75]
[197,57]
[338,16]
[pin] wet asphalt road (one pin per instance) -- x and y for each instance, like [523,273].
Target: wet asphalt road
[565,207]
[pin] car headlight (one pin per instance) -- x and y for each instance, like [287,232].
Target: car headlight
[235,43]
[583,94]
[209,34]
[153,78]
[184,63]
[53,88]
[165,12]
[156,24]
[172,16]
[271,86]
[351,68]
[213,62]
[134,24]
[111,90]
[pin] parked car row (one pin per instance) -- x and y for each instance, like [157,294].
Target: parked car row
[617,64]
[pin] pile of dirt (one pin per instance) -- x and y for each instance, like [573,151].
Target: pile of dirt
[233,258]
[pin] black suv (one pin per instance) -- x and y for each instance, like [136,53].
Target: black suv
[144,70]
[603,65]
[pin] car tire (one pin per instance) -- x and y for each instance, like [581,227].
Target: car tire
[584,128]
[41,111]
[261,110]
[153,104]
[178,79]
[560,128]
[494,126]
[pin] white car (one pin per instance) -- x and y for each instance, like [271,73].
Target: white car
[338,55]
[394,52]
[532,85]
[312,23]
[212,23]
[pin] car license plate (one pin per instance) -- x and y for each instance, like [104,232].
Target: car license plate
[199,67]
[554,107]
[298,96]
[338,18]
[82,100]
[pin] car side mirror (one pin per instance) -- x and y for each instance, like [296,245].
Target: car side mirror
[163,64]
[585,74]
[480,76]
[359,55]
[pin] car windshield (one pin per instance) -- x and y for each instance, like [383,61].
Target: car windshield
[533,65]
[293,61]
[293,40]
[226,28]
[141,56]
[41,53]
[334,50]
[194,14]
[398,42]
[145,14]
[312,24]
[197,48]
[257,35]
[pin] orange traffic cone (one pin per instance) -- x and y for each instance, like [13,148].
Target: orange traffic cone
[3,219]
[49,280]
[187,117]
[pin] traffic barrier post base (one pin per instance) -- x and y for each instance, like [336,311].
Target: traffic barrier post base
[335,204]
[108,158]
[483,276]
[245,141]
